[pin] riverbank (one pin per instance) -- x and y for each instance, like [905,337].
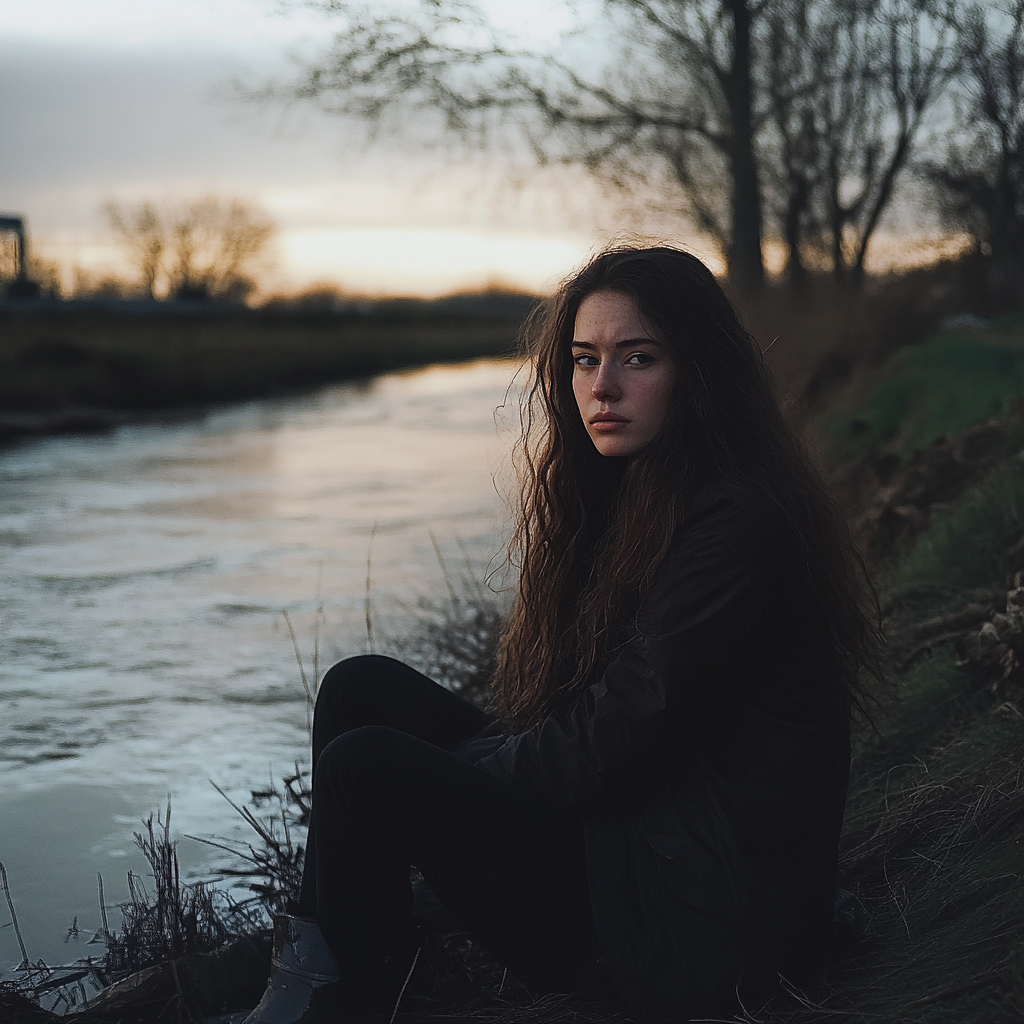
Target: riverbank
[144,575]
[79,368]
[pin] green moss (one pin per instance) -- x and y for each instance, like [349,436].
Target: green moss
[937,389]
[972,543]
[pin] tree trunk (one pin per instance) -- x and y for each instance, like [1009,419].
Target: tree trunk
[1006,229]
[746,266]
[836,221]
[899,158]
[796,272]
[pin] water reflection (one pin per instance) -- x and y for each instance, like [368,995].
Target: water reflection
[143,573]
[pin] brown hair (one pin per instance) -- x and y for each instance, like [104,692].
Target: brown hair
[592,531]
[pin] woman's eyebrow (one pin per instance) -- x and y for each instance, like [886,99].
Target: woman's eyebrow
[638,341]
[620,344]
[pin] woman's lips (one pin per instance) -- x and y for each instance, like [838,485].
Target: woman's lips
[608,422]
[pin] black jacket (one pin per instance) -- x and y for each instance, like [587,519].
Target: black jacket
[709,764]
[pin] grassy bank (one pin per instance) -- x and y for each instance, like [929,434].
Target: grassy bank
[78,369]
[929,460]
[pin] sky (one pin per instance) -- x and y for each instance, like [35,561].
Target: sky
[131,100]
[128,100]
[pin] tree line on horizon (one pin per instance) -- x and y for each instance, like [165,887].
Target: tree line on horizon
[199,249]
[207,248]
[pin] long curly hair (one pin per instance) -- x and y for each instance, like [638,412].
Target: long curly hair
[592,531]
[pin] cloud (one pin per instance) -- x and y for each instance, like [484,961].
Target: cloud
[134,22]
[82,123]
[89,121]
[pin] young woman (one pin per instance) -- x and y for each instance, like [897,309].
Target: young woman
[660,784]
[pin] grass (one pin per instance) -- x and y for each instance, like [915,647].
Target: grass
[273,865]
[937,861]
[163,936]
[176,920]
[932,843]
[935,817]
[55,367]
[455,639]
[936,389]
[975,542]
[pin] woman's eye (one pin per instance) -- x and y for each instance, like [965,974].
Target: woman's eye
[585,359]
[640,358]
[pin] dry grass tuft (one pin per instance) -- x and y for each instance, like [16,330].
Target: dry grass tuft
[456,638]
[176,920]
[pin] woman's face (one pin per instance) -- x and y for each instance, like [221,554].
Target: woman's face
[623,377]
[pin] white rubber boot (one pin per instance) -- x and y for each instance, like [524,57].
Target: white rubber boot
[304,980]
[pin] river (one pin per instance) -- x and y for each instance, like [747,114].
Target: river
[143,574]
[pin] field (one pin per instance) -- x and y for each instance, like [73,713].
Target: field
[81,369]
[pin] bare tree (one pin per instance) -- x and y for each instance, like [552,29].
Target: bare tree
[800,58]
[848,87]
[140,229]
[214,244]
[980,182]
[207,248]
[653,87]
[915,62]
[815,104]
[711,49]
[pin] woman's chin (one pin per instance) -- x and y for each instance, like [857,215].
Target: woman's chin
[615,446]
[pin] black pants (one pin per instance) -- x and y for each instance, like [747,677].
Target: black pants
[389,793]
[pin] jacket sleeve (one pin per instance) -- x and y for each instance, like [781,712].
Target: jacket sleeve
[609,740]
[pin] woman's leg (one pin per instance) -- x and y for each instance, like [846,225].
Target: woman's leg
[376,690]
[388,794]
[509,868]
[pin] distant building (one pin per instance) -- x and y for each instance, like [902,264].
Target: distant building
[19,286]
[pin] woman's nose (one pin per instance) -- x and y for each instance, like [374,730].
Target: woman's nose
[607,386]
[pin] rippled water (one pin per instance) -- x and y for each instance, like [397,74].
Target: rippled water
[142,646]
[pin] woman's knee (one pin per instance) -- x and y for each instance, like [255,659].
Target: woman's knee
[376,690]
[356,672]
[361,756]
[345,684]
